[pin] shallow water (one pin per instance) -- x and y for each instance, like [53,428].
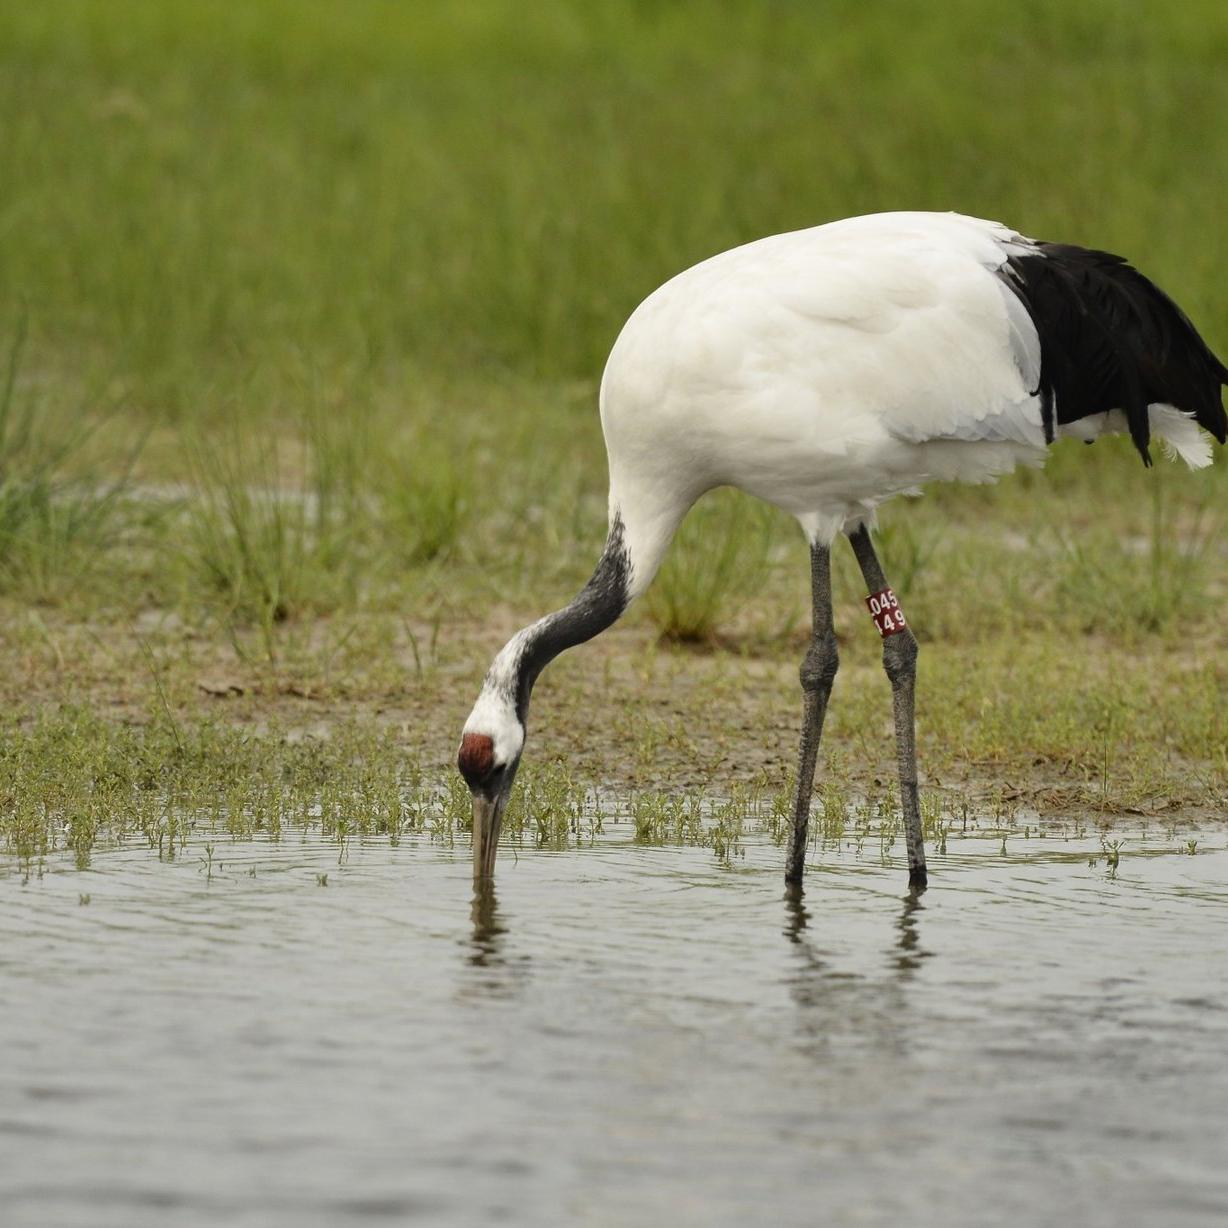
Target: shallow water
[628,1035]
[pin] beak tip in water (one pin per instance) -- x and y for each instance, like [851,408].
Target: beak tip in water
[487,819]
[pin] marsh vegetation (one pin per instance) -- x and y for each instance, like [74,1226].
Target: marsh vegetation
[304,309]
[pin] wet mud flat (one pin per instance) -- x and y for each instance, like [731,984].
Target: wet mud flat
[276,1034]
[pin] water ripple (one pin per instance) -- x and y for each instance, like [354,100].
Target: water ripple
[621,1034]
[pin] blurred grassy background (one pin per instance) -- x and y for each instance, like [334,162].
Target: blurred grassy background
[315,300]
[212,201]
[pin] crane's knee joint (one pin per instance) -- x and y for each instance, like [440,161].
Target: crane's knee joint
[900,656]
[820,663]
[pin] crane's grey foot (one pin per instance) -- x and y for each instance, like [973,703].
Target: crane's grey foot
[817,673]
[900,662]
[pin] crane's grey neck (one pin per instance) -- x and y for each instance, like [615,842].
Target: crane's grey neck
[598,604]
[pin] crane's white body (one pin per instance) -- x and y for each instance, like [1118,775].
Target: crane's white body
[828,370]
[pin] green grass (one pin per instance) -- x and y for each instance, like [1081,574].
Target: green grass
[424,233]
[315,300]
[206,196]
[56,518]
[250,542]
[718,561]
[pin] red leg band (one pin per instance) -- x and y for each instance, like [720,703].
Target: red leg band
[886,612]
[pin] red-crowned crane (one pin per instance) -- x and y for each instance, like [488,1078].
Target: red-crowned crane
[826,371]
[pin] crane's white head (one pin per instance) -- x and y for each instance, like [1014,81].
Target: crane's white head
[490,749]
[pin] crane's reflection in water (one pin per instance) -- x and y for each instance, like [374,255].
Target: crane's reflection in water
[841,1008]
[491,970]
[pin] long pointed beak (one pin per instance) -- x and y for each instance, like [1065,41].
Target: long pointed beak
[487,819]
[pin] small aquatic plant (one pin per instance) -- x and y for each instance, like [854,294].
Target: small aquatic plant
[835,808]
[1112,854]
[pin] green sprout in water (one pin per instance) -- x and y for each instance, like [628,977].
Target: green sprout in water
[1112,854]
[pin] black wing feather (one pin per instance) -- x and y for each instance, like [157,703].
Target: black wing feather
[1112,339]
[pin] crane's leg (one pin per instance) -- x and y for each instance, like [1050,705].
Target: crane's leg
[817,673]
[900,662]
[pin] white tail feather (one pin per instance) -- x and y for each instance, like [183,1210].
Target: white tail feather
[1180,435]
